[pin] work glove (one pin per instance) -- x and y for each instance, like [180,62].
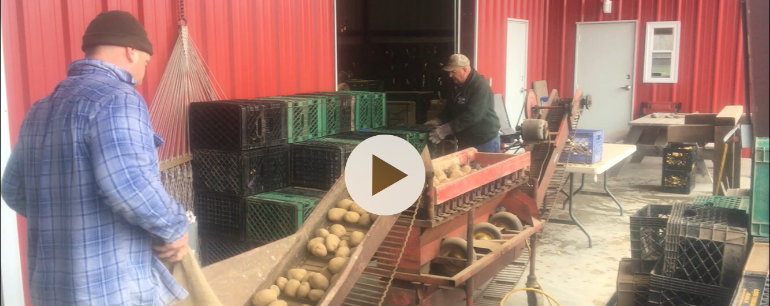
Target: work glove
[440,132]
[433,122]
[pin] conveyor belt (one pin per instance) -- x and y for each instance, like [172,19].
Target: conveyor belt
[504,282]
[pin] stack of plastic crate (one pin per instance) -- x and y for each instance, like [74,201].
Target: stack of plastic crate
[679,168]
[239,149]
[648,237]
[705,248]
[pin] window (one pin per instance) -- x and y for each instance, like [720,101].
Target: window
[661,55]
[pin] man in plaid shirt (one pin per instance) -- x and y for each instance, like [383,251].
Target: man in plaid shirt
[84,173]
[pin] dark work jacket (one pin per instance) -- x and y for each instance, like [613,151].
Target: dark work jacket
[470,111]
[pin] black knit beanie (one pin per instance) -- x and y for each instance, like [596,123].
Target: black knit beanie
[116,28]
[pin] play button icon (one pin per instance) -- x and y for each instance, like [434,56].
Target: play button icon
[385,174]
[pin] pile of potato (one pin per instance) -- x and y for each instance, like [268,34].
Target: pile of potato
[454,171]
[311,285]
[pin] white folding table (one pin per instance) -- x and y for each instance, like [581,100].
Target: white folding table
[612,154]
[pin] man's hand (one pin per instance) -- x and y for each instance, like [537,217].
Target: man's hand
[175,251]
[433,122]
[439,133]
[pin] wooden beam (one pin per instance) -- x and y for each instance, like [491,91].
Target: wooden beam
[700,119]
[730,115]
[701,133]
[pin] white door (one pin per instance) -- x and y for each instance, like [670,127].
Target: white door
[604,68]
[516,70]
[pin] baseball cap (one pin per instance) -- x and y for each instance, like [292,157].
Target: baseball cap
[457,60]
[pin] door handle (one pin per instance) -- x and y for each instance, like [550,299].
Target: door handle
[627,87]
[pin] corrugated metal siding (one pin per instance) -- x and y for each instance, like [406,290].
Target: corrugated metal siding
[493,24]
[254,48]
[711,49]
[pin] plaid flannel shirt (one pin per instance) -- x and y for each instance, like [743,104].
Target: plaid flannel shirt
[84,173]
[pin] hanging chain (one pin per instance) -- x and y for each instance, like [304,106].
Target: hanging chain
[400,254]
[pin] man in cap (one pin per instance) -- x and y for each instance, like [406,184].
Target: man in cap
[470,111]
[84,173]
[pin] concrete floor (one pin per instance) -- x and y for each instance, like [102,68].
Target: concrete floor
[580,276]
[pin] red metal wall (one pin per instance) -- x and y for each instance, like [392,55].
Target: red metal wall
[493,23]
[711,48]
[254,48]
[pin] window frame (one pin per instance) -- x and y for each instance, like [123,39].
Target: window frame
[648,51]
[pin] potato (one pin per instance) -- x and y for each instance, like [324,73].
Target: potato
[357,209]
[297,274]
[319,250]
[444,180]
[365,220]
[303,290]
[332,242]
[344,204]
[356,237]
[456,174]
[278,303]
[436,181]
[352,217]
[264,298]
[454,167]
[342,252]
[276,289]
[335,214]
[439,174]
[313,242]
[307,277]
[321,232]
[466,168]
[319,282]
[344,243]
[291,288]
[281,282]
[338,230]
[334,279]
[373,217]
[336,264]
[315,295]
[326,273]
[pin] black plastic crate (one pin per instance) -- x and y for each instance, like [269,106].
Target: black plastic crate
[632,287]
[235,125]
[219,214]
[707,253]
[648,232]
[421,99]
[241,173]
[667,291]
[274,215]
[317,163]
[680,157]
[215,248]
[365,85]
[681,182]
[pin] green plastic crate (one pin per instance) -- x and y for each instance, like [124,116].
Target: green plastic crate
[379,110]
[274,215]
[331,111]
[363,108]
[760,225]
[416,138]
[732,202]
[304,117]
